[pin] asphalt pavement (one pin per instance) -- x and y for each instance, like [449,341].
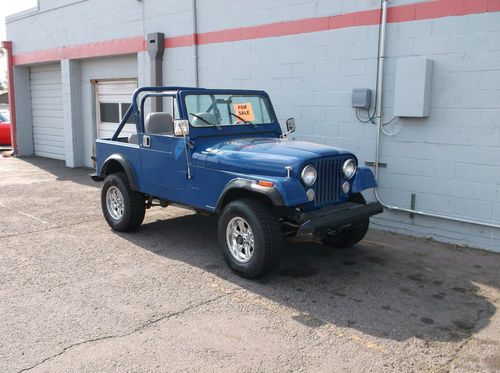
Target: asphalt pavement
[78,297]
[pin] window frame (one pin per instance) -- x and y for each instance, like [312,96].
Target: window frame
[102,94]
[265,99]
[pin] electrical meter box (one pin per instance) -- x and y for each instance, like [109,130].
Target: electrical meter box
[361,98]
[412,89]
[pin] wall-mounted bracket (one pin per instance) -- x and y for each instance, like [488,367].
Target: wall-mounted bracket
[373,164]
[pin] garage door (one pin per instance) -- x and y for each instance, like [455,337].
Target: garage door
[113,99]
[47,111]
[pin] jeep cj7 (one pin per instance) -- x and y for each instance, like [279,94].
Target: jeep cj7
[223,152]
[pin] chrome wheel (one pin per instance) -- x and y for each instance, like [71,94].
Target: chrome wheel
[240,240]
[115,203]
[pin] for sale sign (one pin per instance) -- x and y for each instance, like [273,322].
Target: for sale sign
[244,111]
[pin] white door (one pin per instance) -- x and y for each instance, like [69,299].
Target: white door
[47,111]
[113,99]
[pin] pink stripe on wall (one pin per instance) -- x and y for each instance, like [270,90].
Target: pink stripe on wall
[403,13]
[102,48]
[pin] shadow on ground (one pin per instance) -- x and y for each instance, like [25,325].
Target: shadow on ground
[387,286]
[58,168]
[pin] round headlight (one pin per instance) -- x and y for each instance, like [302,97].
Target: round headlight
[309,175]
[349,168]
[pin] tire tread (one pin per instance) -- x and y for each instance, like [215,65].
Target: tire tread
[137,206]
[271,230]
[353,234]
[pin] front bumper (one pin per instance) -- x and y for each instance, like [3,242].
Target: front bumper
[335,217]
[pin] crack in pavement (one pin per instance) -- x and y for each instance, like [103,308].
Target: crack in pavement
[55,227]
[49,228]
[147,324]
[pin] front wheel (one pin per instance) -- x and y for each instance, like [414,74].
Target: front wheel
[250,237]
[122,207]
[350,235]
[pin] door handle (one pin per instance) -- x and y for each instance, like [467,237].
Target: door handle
[146,141]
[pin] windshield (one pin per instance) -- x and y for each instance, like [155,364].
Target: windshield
[4,116]
[217,110]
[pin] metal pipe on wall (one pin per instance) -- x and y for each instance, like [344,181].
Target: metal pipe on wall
[195,42]
[379,114]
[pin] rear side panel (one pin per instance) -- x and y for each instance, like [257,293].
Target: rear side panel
[106,148]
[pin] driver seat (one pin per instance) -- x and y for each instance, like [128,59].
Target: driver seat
[159,123]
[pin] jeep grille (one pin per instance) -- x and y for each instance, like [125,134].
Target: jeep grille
[327,186]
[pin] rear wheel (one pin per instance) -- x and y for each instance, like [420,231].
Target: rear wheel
[350,235]
[122,207]
[250,237]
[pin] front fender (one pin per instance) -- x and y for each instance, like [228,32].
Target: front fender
[252,186]
[364,179]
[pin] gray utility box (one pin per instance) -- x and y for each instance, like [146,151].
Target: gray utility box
[412,89]
[361,98]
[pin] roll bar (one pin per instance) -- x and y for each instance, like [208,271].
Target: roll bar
[134,107]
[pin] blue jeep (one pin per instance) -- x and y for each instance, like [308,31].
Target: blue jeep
[222,152]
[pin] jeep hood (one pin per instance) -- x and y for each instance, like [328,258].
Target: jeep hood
[265,156]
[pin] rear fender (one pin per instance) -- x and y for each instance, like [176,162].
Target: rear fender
[119,159]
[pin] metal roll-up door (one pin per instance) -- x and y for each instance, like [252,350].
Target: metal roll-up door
[47,111]
[113,99]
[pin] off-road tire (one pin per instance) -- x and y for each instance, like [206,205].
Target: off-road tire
[268,238]
[352,234]
[134,204]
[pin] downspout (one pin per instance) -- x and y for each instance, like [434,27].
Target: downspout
[156,47]
[7,45]
[379,113]
[195,42]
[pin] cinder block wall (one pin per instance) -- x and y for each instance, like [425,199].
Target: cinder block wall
[450,160]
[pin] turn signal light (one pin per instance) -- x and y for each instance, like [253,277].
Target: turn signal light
[265,183]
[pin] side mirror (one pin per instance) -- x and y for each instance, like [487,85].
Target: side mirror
[290,126]
[181,127]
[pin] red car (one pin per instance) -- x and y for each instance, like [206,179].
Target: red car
[4,128]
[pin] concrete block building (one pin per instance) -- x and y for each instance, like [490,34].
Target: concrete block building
[75,63]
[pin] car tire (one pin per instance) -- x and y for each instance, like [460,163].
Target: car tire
[122,207]
[250,237]
[350,235]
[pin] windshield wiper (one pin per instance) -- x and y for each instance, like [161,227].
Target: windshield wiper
[206,121]
[243,120]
